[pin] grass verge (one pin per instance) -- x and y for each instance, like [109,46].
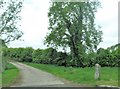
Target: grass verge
[0,80]
[109,76]
[9,76]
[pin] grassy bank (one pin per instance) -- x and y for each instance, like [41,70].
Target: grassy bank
[109,76]
[9,76]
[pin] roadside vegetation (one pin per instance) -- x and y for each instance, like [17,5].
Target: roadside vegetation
[81,75]
[0,79]
[105,57]
[9,73]
[59,63]
[9,76]
[9,31]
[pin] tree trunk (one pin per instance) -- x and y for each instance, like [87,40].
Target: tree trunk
[76,58]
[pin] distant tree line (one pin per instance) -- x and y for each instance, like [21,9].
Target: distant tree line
[105,57]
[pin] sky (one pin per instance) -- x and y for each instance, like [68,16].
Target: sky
[34,23]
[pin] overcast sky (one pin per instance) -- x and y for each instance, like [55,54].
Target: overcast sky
[34,23]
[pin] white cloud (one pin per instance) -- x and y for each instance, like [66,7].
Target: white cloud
[35,23]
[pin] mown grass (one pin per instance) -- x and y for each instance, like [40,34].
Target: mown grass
[109,76]
[9,75]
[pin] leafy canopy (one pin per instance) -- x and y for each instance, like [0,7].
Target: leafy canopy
[9,18]
[73,22]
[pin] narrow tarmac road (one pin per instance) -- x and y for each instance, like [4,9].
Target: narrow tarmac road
[32,77]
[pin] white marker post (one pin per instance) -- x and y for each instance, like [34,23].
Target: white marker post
[97,71]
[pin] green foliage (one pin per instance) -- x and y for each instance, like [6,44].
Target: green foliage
[9,18]
[26,54]
[2,43]
[104,57]
[19,54]
[61,59]
[72,25]
[108,57]
[47,56]
[36,55]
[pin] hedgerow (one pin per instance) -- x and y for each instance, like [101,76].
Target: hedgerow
[104,57]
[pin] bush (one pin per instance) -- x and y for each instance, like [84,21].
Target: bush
[19,54]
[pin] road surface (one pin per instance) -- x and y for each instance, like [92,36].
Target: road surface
[32,77]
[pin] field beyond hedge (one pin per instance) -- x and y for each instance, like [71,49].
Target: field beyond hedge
[109,75]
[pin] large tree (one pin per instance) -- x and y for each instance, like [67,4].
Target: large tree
[9,19]
[72,24]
